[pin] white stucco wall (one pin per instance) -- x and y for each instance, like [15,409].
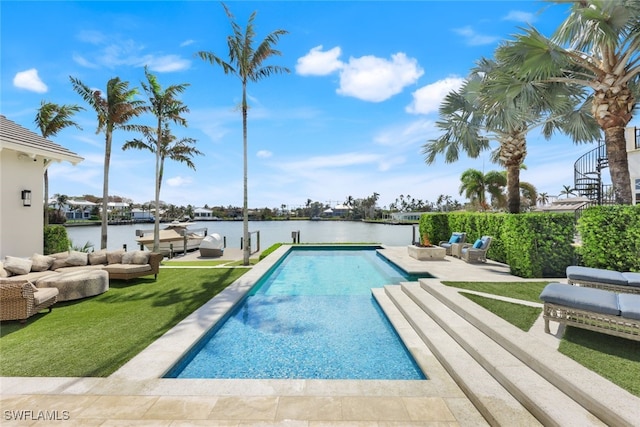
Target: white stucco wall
[21,228]
[633,156]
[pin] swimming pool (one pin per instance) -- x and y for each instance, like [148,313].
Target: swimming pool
[311,316]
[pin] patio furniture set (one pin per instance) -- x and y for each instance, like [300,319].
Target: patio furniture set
[456,246]
[29,285]
[595,299]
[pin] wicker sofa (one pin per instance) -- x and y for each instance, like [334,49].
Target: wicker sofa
[593,309]
[626,282]
[21,300]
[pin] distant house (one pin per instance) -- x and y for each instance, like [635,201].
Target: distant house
[410,217]
[78,209]
[141,215]
[340,210]
[204,214]
[24,156]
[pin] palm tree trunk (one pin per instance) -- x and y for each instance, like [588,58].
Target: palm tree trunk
[618,164]
[513,188]
[105,190]
[245,207]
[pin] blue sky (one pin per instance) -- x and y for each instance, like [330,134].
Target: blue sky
[349,120]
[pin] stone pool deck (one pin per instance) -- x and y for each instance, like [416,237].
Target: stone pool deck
[482,371]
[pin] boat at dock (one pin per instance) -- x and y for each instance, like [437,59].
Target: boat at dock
[174,238]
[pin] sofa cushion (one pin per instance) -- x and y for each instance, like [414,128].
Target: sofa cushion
[140,257]
[77,258]
[41,262]
[98,257]
[67,268]
[127,268]
[587,274]
[115,257]
[588,299]
[17,265]
[629,305]
[633,279]
[44,294]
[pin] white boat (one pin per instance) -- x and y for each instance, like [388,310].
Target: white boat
[173,238]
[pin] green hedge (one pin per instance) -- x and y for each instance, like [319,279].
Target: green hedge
[55,239]
[533,244]
[610,237]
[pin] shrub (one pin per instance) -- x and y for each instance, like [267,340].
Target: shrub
[55,239]
[610,237]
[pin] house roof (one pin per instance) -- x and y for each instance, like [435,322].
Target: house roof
[17,138]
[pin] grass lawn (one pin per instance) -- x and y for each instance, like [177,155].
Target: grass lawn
[614,358]
[93,337]
[518,315]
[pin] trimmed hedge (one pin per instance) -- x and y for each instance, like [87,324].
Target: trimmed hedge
[610,237]
[532,244]
[55,239]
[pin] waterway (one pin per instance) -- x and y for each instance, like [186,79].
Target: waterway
[270,232]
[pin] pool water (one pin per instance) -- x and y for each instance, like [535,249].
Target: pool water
[312,317]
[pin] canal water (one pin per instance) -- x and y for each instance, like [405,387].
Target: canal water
[270,232]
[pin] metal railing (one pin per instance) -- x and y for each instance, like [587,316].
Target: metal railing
[588,180]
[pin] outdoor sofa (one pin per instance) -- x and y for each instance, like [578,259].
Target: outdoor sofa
[78,274]
[594,309]
[626,282]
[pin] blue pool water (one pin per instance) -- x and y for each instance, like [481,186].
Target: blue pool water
[313,316]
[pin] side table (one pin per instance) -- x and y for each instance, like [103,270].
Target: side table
[456,249]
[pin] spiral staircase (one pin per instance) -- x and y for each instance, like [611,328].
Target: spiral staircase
[588,178]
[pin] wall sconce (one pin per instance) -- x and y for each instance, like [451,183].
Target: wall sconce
[26,197]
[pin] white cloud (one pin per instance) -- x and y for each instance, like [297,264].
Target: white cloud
[91,36]
[167,63]
[520,16]
[264,154]
[406,134]
[473,38]
[428,98]
[376,79]
[319,63]
[83,62]
[29,80]
[178,181]
[187,43]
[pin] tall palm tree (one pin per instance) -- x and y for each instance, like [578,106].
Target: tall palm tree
[567,190]
[167,146]
[476,184]
[543,198]
[246,62]
[494,104]
[166,107]
[114,111]
[51,119]
[596,47]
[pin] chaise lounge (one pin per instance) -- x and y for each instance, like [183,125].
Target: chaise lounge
[627,282]
[593,309]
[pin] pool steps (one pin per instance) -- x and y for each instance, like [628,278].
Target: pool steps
[468,340]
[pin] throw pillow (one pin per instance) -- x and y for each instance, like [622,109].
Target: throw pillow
[77,258]
[59,263]
[17,265]
[98,257]
[115,257]
[3,272]
[454,239]
[140,257]
[41,262]
[478,244]
[127,257]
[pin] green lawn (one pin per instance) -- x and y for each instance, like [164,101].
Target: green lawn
[519,315]
[614,358]
[95,336]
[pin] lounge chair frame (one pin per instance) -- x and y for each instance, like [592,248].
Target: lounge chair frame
[598,322]
[17,301]
[626,289]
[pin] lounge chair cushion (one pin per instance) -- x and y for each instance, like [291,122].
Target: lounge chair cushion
[478,244]
[629,306]
[633,279]
[45,294]
[588,299]
[578,273]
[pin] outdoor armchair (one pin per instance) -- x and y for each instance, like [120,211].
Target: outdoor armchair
[20,300]
[476,252]
[457,237]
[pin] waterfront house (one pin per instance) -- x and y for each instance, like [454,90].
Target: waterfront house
[24,156]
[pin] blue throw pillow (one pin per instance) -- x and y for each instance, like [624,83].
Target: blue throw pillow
[454,239]
[478,244]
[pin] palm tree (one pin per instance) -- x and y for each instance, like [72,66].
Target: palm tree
[543,198]
[567,190]
[166,108]
[113,112]
[246,63]
[596,47]
[494,104]
[52,118]
[476,184]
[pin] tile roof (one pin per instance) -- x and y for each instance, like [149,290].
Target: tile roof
[17,138]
